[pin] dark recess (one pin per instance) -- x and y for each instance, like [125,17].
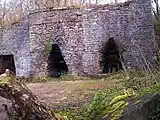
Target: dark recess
[110,57]
[7,62]
[56,63]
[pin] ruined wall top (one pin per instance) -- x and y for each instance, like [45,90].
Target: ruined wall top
[91,7]
[95,7]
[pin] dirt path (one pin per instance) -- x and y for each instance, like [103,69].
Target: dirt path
[59,92]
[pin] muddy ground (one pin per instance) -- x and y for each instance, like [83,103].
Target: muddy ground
[61,94]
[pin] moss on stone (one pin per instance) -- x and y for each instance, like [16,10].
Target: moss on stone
[117,106]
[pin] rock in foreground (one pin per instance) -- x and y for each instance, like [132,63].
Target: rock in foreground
[144,109]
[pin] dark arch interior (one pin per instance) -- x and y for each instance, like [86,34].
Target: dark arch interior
[7,62]
[110,57]
[56,62]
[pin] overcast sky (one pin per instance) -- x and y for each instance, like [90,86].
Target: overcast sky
[100,1]
[109,1]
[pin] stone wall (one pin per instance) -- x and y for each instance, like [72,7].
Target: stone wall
[130,25]
[15,41]
[64,28]
[81,34]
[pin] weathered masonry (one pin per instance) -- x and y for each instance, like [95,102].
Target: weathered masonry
[81,41]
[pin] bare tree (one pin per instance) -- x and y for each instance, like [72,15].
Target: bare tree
[116,1]
[2,11]
[156,10]
[13,11]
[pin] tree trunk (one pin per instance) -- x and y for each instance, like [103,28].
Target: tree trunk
[157,11]
[25,105]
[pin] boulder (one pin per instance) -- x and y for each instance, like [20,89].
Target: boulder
[3,114]
[143,109]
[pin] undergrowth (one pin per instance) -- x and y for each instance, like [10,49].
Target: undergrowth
[140,82]
[63,77]
[137,81]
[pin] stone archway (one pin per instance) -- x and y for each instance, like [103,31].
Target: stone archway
[56,63]
[7,62]
[110,57]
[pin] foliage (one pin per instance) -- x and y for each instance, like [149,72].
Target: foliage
[97,105]
[95,108]
[135,83]
[113,100]
[117,105]
[140,79]
[116,110]
[100,105]
[78,113]
[101,98]
[153,89]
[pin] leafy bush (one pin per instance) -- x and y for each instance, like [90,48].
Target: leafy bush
[154,89]
[142,83]
[78,113]
[97,105]
[100,100]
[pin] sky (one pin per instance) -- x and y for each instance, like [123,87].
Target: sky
[109,1]
[101,1]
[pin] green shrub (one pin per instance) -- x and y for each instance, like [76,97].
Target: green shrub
[117,105]
[100,100]
[153,89]
[97,105]
[141,80]
[142,83]
[77,113]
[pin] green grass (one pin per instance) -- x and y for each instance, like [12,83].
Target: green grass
[108,87]
[140,82]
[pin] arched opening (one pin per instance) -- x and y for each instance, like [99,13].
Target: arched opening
[110,57]
[7,62]
[56,62]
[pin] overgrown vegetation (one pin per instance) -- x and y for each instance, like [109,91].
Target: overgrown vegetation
[111,102]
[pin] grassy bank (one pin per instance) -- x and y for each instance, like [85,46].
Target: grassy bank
[136,81]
